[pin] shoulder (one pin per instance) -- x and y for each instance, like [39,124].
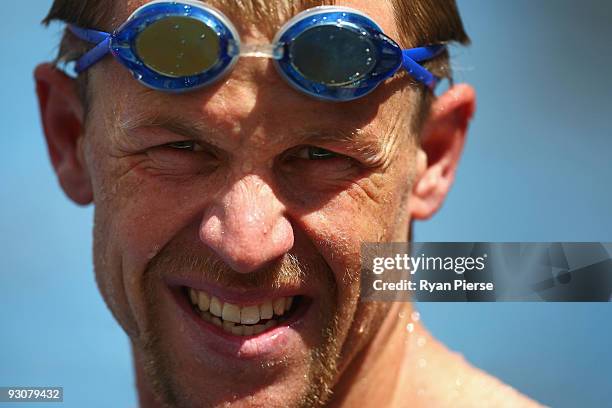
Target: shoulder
[442,378]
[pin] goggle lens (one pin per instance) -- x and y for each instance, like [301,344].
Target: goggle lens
[332,55]
[178,47]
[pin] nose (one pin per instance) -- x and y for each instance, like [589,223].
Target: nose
[247,227]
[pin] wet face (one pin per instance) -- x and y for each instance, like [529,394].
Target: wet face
[228,225]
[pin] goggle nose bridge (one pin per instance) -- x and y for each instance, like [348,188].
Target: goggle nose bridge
[272,51]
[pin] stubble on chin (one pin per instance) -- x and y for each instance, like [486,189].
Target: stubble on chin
[320,362]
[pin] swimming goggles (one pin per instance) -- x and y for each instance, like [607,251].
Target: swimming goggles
[328,52]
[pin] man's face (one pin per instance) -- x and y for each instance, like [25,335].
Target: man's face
[246,192]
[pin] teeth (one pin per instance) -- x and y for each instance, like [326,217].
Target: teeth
[193,296]
[279,306]
[203,301]
[240,321]
[249,315]
[227,326]
[215,306]
[231,313]
[266,311]
[216,321]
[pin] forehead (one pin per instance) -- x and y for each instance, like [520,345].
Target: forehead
[265,17]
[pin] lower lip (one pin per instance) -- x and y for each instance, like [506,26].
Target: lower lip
[264,345]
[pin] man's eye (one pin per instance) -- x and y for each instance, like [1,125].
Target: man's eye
[188,145]
[315,153]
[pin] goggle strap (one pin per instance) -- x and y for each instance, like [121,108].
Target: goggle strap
[94,55]
[416,71]
[421,54]
[85,34]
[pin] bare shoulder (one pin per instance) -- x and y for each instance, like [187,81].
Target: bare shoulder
[446,379]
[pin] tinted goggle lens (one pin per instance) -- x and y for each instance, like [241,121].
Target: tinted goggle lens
[178,47]
[332,55]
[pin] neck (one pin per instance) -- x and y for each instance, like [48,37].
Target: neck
[376,375]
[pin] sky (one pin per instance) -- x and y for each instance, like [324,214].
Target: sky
[536,168]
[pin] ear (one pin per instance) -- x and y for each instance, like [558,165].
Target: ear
[62,117]
[443,139]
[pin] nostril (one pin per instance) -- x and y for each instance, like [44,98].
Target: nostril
[247,249]
[247,227]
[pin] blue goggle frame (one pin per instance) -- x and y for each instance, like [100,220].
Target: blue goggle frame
[386,55]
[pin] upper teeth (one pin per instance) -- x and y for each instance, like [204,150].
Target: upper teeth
[231,314]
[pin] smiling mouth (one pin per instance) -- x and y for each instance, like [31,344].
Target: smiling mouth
[244,321]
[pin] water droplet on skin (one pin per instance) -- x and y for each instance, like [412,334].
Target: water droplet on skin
[401,314]
[421,341]
[458,382]
[177,26]
[415,316]
[422,363]
[410,327]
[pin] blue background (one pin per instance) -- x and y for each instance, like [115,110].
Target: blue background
[536,168]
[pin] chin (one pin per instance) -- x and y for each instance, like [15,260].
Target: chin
[206,345]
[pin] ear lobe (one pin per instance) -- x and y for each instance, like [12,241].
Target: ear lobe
[443,140]
[62,117]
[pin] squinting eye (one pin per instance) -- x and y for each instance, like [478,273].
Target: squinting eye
[188,145]
[315,153]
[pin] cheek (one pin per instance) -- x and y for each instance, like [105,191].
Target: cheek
[369,210]
[135,217]
[339,229]
[366,212]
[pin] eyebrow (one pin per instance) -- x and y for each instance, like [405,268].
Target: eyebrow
[194,130]
[361,140]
